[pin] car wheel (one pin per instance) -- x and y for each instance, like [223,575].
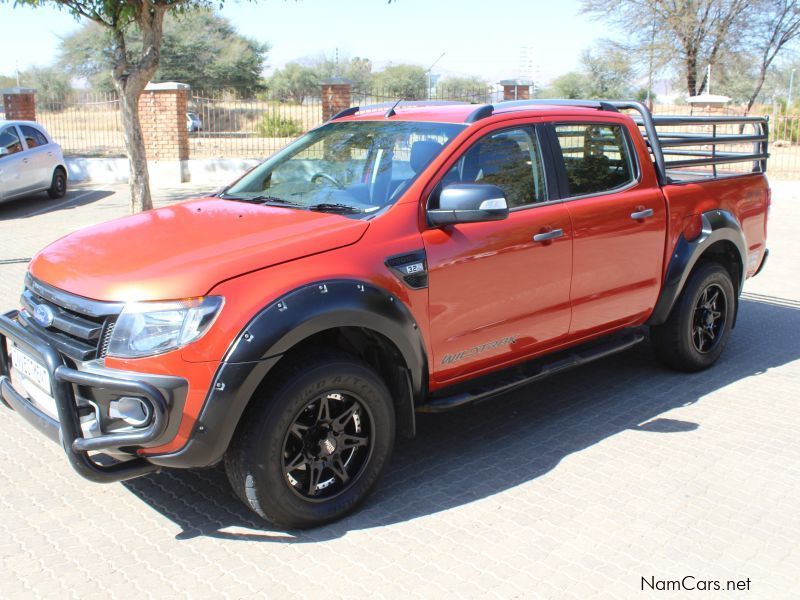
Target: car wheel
[698,328]
[312,448]
[58,186]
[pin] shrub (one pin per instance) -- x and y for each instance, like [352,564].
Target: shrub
[273,125]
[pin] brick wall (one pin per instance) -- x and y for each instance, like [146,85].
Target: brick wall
[335,97]
[163,116]
[20,105]
[516,92]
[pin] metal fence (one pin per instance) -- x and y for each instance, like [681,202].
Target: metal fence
[89,124]
[84,123]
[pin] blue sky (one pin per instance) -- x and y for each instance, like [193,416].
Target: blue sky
[494,40]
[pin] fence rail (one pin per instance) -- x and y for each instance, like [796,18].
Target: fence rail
[89,124]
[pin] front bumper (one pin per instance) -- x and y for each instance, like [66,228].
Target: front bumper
[163,395]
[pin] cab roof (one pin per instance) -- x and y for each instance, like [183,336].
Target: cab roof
[462,112]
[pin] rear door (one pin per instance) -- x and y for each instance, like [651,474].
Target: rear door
[495,294]
[39,154]
[619,218]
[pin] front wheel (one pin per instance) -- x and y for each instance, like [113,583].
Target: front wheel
[311,449]
[698,328]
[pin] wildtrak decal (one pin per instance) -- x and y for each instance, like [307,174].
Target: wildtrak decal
[455,357]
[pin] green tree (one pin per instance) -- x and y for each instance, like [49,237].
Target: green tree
[462,88]
[132,67]
[294,82]
[200,48]
[52,85]
[357,70]
[571,85]
[608,72]
[402,81]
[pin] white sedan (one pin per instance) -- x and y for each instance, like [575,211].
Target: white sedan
[30,161]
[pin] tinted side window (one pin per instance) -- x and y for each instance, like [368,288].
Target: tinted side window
[33,137]
[509,159]
[10,140]
[596,157]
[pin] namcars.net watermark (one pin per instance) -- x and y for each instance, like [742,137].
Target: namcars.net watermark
[691,583]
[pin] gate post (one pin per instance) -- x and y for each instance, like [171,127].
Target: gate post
[19,104]
[162,111]
[516,89]
[337,94]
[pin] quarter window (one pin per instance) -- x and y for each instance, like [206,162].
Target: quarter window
[596,157]
[33,137]
[509,159]
[10,140]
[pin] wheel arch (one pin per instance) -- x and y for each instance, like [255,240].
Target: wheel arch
[354,316]
[721,240]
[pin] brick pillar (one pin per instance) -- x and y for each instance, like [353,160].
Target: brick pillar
[162,111]
[516,89]
[20,104]
[337,94]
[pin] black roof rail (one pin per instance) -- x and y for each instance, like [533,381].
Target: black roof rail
[598,104]
[390,105]
[480,113]
[488,109]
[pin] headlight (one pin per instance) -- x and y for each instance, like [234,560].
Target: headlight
[147,328]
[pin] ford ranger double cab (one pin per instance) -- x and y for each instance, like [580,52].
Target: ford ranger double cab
[394,260]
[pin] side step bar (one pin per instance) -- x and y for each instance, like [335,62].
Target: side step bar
[532,371]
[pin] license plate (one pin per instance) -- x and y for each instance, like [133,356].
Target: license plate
[30,368]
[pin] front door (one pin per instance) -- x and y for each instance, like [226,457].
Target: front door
[495,294]
[15,177]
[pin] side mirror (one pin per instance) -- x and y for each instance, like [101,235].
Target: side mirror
[4,151]
[469,203]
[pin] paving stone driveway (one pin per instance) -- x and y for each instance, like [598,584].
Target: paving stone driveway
[577,487]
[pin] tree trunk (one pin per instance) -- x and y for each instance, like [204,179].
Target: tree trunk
[139,179]
[691,73]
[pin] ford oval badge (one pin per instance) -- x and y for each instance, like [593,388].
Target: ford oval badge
[44,315]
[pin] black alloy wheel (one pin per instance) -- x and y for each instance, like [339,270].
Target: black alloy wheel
[327,446]
[709,319]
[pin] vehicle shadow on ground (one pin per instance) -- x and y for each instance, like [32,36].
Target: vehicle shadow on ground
[476,452]
[41,204]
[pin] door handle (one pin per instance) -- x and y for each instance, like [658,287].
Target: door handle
[24,160]
[546,236]
[644,213]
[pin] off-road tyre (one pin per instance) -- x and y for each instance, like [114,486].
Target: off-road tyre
[699,326]
[271,435]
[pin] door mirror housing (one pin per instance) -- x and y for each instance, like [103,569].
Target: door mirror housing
[469,203]
[4,151]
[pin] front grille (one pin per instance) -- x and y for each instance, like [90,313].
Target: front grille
[80,328]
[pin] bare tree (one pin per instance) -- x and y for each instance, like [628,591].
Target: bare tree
[689,34]
[774,24]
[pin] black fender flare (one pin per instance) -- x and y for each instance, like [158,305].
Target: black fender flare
[275,330]
[717,225]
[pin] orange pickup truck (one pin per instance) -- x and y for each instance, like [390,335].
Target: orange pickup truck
[396,259]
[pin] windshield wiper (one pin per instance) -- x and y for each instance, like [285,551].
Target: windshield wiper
[261,199]
[335,208]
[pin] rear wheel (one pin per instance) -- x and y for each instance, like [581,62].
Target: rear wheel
[58,185]
[314,446]
[698,328]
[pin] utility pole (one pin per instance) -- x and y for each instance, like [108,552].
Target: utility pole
[649,100]
[428,73]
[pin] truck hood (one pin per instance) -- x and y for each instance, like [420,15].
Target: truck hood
[186,249]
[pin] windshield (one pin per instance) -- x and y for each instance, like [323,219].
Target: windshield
[354,168]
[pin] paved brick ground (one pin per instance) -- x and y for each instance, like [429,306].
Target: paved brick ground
[574,488]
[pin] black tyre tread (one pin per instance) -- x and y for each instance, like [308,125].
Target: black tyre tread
[669,341]
[246,441]
[51,191]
